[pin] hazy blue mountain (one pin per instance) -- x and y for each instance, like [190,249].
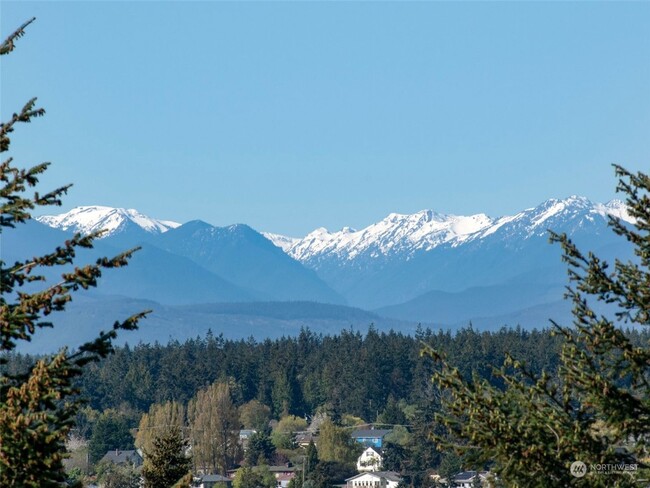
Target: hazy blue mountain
[532,317]
[89,313]
[247,258]
[152,273]
[30,239]
[196,262]
[467,305]
[155,274]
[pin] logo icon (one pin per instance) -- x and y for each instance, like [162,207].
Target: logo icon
[578,469]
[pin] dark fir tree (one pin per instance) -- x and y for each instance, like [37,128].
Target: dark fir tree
[259,449]
[597,408]
[395,458]
[38,407]
[167,463]
[392,413]
[450,465]
[110,432]
[311,458]
[330,473]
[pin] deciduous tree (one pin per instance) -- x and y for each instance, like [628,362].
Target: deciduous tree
[110,475]
[336,444]
[160,419]
[282,435]
[214,429]
[255,415]
[259,477]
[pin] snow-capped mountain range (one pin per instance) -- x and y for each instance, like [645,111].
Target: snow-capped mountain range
[94,218]
[406,234]
[426,267]
[403,234]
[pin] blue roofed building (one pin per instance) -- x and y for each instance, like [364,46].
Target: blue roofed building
[370,437]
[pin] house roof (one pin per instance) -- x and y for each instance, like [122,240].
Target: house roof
[215,478]
[285,477]
[369,433]
[389,475]
[467,476]
[117,456]
[373,449]
[282,469]
[305,437]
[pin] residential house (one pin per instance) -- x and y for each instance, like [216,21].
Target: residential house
[283,480]
[304,438]
[246,433]
[244,437]
[467,479]
[283,474]
[370,437]
[369,460]
[117,456]
[212,481]
[376,479]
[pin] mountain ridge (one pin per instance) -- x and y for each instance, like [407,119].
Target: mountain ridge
[110,220]
[405,265]
[422,230]
[425,230]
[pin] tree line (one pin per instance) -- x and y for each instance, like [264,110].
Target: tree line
[350,372]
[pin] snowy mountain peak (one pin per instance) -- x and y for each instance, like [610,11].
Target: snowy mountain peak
[576,206]
[403,233]
[554,207]
[615,208]
[283,242]
[89,219]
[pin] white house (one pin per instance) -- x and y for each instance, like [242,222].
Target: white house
[374,479]
[369,460]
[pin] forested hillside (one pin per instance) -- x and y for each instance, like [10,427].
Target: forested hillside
[351,372]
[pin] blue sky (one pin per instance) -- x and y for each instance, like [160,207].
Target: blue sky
[290,116]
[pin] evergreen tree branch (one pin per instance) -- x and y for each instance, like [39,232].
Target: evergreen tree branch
[8,44]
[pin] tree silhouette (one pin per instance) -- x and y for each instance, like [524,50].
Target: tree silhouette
[38,407]
[597,409]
